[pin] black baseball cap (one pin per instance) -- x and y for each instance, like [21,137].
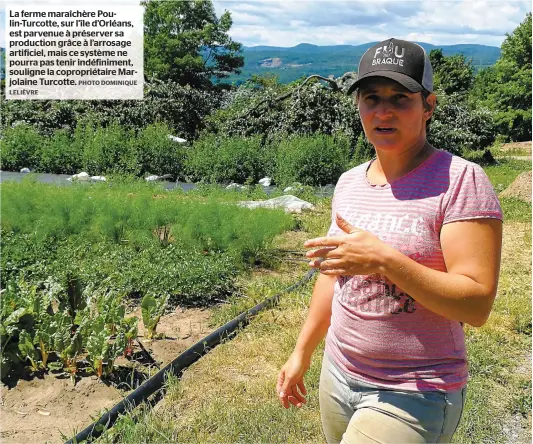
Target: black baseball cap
[405,62]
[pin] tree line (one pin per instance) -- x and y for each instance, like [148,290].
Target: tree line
[189,53]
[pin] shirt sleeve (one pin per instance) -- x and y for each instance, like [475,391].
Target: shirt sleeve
[471,197]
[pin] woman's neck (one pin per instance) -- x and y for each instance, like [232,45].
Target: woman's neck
[389,167]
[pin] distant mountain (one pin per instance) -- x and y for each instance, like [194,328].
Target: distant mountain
[305,59]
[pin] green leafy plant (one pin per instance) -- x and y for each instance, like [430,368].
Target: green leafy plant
[130,329]
[9,358]
[73,300]
[311,160]
[68,342]
[102,350]
[27,350]
[109,307]
[44,337]
[22,305]
[152,310]
[218,159]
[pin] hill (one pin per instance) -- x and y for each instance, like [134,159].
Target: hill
[305,59]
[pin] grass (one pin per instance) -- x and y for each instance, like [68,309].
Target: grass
[500,378]
[502,175]
[505,171]
[518,150]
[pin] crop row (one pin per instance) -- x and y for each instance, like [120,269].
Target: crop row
[43,322]
[103,213]
[71,255]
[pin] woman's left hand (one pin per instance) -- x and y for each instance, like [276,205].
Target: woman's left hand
[358,252]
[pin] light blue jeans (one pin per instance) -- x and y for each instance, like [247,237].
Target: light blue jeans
[355,412]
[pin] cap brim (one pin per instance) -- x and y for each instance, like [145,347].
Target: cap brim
[402,79]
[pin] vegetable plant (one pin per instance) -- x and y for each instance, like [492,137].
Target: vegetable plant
[152,310]
[27,350]
[103,351]
[44,337]
[67,341]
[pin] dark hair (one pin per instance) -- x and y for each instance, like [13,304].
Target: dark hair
[425,94]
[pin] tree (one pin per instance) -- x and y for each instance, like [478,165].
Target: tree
[506,88]
[453,74]
[516,48]
[185,42]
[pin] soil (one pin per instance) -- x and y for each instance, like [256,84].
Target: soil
[44,408]
[178,330]
[520,188]
[41,410]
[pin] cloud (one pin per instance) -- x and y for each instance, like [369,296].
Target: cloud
[287,23]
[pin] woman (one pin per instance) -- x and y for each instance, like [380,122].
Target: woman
[413,252]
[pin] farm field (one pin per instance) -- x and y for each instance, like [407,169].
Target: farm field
[100,267]
[236,380]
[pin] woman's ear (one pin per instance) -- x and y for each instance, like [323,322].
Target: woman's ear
[429,106]
[355,98]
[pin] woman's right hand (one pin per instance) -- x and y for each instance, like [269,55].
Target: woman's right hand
[290,386]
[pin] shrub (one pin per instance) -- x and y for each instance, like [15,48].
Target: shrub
[314,109]
[59,155]
[109,150]
[226,159]
[455,126]
[95,149]
[45,116]
[182,108]
[364,151]
[158,154]
[19,147]
[311,160]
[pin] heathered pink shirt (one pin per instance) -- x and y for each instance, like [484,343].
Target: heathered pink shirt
[378,333]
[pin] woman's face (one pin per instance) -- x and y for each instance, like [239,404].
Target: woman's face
[394,119]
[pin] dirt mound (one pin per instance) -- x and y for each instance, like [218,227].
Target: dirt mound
[520,188]
[523,146]
[41,409]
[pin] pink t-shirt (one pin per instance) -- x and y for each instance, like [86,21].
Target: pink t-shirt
[378,333]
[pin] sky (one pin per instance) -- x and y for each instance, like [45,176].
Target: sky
[287,23]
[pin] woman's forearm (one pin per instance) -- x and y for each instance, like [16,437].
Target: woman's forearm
[319,317]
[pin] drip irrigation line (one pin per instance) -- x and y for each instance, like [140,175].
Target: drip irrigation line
[184,360]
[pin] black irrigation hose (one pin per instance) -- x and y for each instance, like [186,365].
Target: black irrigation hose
[184,360]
